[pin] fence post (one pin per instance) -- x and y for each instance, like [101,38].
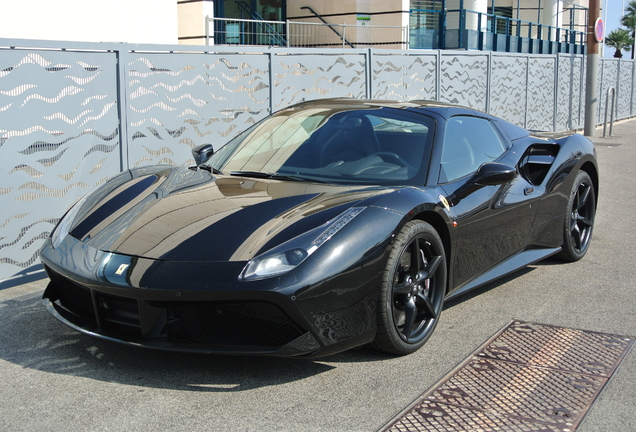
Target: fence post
[369,73]
[581,93]
[488,81]
[631,96]
[601,63]
[555,109]
[271,82]
[525,111]
[438,75]
[617,87]
[121,56]
[570,121]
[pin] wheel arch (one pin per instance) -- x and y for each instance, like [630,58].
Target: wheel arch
[592,171]
[439,224]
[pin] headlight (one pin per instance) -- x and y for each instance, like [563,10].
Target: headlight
[65,223]
[292,253]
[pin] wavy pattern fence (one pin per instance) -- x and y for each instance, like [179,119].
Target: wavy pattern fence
[59,130]
[73,114]
[178,101]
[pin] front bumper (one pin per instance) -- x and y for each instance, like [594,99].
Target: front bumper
[196,307]
[208,327]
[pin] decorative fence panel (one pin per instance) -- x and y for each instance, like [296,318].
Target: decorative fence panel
[570,93]
[623,88]
[464,79]
[541,93]
[609,78]
[59,130]
[508,88]
[405,77]
[73,114]
[299,76]
[177,101]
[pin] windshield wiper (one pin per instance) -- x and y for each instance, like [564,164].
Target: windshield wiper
[274,176]
[210,169]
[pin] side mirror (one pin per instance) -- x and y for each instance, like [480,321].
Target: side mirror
[202,153]
[488,174]
[493,174]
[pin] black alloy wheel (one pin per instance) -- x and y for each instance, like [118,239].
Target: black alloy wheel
[413,290]
[579,221]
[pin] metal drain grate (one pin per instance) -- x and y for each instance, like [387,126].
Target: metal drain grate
[528,377]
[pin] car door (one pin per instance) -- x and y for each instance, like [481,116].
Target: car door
[492,222]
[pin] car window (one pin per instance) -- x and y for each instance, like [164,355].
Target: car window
[468,143]
[282,136]
[385,124]
[354,146]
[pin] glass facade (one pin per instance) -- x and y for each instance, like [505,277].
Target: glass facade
[246,22]
[269,10]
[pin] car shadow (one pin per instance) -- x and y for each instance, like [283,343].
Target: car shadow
[33,339]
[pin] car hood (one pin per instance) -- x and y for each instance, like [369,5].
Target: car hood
[179,214]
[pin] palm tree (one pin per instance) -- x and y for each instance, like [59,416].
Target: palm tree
[619,39]
[629,21]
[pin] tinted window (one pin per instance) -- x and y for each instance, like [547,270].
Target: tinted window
[468,143]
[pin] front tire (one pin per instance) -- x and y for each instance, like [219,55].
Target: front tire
[413,290]
[579,221]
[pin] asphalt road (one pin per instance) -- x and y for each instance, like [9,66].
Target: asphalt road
[55,379]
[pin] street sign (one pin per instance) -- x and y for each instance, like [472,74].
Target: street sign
[599,30]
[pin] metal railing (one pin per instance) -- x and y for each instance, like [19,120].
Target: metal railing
[318,35]
[465,29]
[296,34]
[468,29]
[484,31]
[236,31]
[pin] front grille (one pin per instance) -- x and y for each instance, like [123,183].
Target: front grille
[119,314]
[255,324]
[74,298]
[235,324]
[116,314]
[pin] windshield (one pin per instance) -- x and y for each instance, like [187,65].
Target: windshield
[384,146]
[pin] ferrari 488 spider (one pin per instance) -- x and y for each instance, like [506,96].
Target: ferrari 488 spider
[327,225]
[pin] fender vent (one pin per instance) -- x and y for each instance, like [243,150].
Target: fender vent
[537,161]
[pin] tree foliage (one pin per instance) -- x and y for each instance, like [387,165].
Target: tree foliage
[619,39]
[629,21]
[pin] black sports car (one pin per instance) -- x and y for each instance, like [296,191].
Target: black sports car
[328,225]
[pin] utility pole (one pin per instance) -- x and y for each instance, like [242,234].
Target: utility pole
[591,79]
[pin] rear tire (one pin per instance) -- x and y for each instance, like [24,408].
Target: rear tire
[413,290]
[579,221]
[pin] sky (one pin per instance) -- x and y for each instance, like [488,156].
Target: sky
[611,14]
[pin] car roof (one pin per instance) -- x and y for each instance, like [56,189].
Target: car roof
[441,108]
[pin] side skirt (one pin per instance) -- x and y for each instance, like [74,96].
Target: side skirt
[510,265]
